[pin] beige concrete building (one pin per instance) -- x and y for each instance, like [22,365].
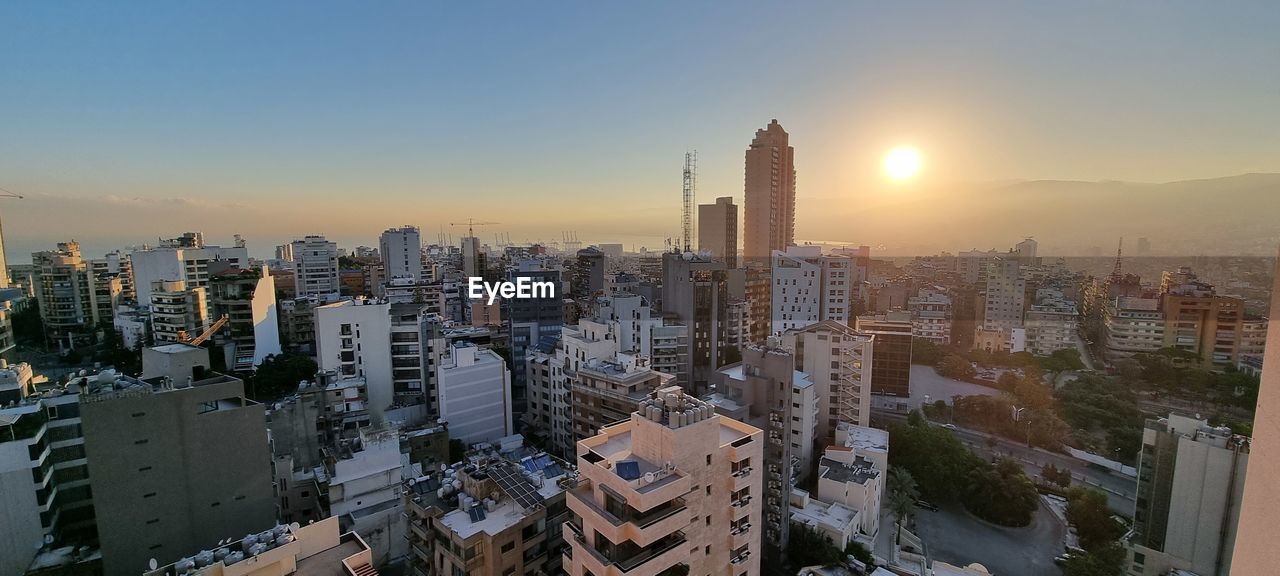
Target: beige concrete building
[1133,325]
[607,390]
[850,487]
[1199,320]
[769,194]
[675,486]
[837,359]
[316,549]
[178,312]
[1190,485]
[718,230]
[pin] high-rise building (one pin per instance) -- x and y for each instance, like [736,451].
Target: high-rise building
[1191,480]
[763,391]
[178,312]
[1051,322]
[473,260]
[65,290]
[891,354]
[474,390]
[718,230]
[695,293]
[809,287]
[353,339]
[1199,320]
[401,250]
[315,266]
[676,488]
[839,361]
[769,199]
[176,461]
[184,258]
[931,315]
[532,323]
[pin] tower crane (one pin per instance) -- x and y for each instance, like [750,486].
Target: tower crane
[471,223]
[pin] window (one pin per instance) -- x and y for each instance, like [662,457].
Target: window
[509,546]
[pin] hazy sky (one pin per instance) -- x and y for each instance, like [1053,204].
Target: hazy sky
[271,119]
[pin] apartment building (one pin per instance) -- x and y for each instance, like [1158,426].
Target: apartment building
[1199,320]
[318,549]
[838,359]
[531,323]
[1190,486]
[352,339]
[761,391]
[676,487]
[177,461]
[809,287]
[178,312]
[718,230]
[931,315]
[247,297]
[606,390]
[363,483]
[315,266]
[1051,322]
[1132,325]
[185,258]
[695,294]
[66,290]
[891,354]
[1005,297]
[474,393]
[401,252]
[496,513]
[850,487]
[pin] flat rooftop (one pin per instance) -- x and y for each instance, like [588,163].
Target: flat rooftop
[859,472]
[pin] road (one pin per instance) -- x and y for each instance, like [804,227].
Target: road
[1120,489]
[954,536]
[926,382]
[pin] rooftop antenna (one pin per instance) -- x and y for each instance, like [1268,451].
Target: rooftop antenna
[690,189]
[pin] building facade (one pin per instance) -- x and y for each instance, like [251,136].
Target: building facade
[718,230]
[769,198]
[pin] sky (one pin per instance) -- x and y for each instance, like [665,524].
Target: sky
[125,122]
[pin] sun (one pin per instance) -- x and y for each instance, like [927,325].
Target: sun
[902,163]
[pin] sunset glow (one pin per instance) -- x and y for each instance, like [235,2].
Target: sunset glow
[902,163]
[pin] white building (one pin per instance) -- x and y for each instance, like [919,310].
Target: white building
[365,491]
[837,359]
[474,391]
[931,315]
[809,287]
[178,311]
[1051,323]
[353,339]
[850,486]
[185,259]
[315,266]
[1005,296]
[401,250]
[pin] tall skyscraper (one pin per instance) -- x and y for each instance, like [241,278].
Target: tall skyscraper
[770,194]
[401,250]
[718,230]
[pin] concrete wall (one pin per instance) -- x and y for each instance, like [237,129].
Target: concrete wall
[20,532]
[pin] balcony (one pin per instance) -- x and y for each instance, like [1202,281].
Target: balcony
[741,479]
[656,558]
[642,528]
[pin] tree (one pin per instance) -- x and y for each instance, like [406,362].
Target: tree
[1062,360]
[1087,510]
[1059,476]
[860,553]
[903,494]
[953,366]
[809,547]
[925,352]
[1106,561]
[279,375]
[1001,493]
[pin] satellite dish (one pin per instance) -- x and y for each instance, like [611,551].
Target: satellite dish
[48,538]
[295,526]
[413,481]
[649,477]
[152,563]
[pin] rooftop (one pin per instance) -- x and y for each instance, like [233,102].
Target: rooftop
[859,472]
[863,438]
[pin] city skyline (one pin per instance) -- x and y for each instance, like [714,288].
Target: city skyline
[277,121]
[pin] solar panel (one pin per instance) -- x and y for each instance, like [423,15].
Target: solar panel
[628,469]
[515,486]
[476,514]
[552,470]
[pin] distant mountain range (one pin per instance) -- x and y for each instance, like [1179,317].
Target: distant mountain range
[1235,215]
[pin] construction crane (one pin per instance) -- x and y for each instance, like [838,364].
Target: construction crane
[7,194]
[207,334]
[690,190]
[472,223]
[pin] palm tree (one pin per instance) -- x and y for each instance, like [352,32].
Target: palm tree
[903,494]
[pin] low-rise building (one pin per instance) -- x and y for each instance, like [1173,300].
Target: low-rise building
[1051,323]
[318,549]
